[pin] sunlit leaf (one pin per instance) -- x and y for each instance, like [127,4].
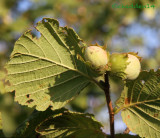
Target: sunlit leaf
[46,72]
[140,104]
[2,84]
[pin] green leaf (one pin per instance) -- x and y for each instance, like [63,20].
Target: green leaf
[140,104]
[46,72]
[71,124]
[27,128]
[60,123]
[2,84]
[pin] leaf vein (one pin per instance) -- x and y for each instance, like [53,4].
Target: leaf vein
[151,106]
[50,86]
[147,113]
[51,46]
[23,46]
[143,88]
[32,70]
[36,45]
[23,62]
[144,120]
[64,44]
[39,78]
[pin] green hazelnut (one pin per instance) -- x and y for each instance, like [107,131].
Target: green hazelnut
[125,65]
[133,68]
[97,57]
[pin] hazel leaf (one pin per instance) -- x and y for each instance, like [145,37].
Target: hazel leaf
[45,71]
[140,104]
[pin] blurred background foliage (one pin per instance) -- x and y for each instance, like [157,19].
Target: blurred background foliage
[122,30]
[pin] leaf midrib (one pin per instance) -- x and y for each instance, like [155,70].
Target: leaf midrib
[62,65]
[133,104]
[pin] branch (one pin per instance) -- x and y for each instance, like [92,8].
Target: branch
[109,104]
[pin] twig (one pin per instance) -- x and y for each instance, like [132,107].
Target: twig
[109,104]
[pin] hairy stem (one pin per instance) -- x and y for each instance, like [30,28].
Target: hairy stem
[109,104]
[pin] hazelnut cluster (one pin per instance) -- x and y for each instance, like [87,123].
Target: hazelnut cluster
[124,65]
